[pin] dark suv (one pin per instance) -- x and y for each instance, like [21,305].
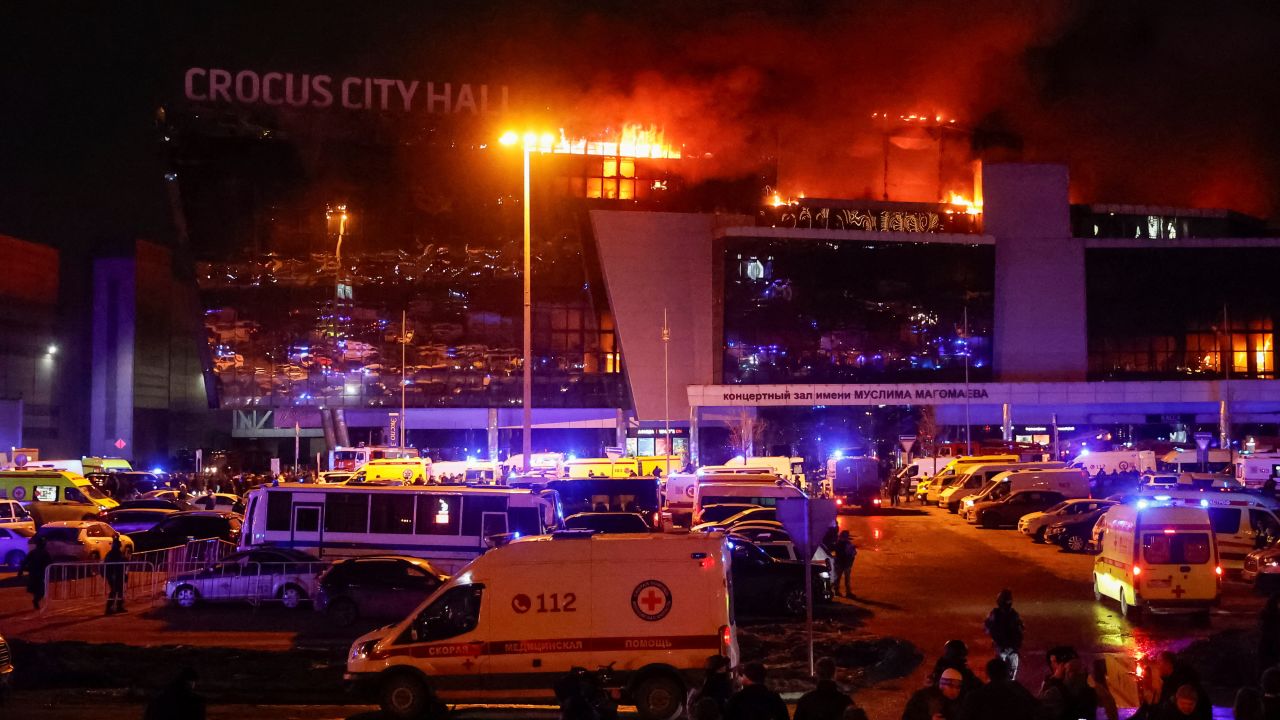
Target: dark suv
[176,529]
[380,587]
[767,585]
[1007,512]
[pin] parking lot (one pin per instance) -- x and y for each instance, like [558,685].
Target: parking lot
[922,575]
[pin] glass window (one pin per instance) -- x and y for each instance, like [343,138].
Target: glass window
[346,513]
[1225,521]
[46,493]
[439,514]
[279,511]
[474,507]
[524,520]
[306,518]
[1175,548]
[392,514]
[455,613]
[1263,522]
[71,494]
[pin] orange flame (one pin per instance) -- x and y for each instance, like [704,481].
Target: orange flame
[960,201]
[635,141]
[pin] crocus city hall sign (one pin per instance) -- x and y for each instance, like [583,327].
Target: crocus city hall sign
[304,90]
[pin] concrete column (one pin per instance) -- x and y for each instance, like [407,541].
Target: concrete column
[1006,422]
[326,423]
[620,429]
[340,427]
[695,453]
[492,427]
[1224,424]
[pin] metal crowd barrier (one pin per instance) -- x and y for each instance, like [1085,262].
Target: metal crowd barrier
[70,585]
[182,557]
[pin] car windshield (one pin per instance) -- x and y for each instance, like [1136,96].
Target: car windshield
[93,492]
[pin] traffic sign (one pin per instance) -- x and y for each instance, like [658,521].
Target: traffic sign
[806,521]
[907,442]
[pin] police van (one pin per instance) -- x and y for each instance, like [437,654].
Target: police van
[1161,557]
[517,619]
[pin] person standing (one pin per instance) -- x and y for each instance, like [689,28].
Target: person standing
[35,564]
[114,573]
[826,701]
[1000,699]
[1004,625]
[845,553]
[717,684]
[755,701]
[895,489]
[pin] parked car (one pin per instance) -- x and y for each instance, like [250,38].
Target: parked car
[608,522]
[81,540]
[135,520]
[1076,532]
[217,501]
[178,528]
[1007,512]
[1262,569]
[375,587]
[767,585]
[1034,524]
[773,538]
[154,504]
[751,514]
[14,542]
[12,513]
[280,574]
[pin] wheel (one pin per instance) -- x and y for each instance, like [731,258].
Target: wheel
[1076,543]
[14,558]
[793,600]
[1038,536]
[343,612]
[1124,605]
[292,596]
[405,697]
[659,697]
[1097,592]
[987,522]
[186,596]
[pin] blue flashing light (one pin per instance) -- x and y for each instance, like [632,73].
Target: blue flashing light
[572,456]
[157,471]
[1162,498]
[1142,504]
[1204,503]
[1084,451]
[838,454]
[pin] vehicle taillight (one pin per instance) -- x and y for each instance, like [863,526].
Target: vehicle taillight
[726,639]
[876,501]
[1137,570]
[839,501]
[1218,569]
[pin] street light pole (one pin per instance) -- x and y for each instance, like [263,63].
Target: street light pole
[527,415]
[666,386]
[404,341]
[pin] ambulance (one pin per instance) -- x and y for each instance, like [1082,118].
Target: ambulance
[1158,557]
[1254,470]
[517,619]
[404,471]
[761,490]
[1241,522]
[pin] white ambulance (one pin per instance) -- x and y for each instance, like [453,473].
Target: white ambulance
[515,620]
[1254,470]
[1159,557]
[1241,522]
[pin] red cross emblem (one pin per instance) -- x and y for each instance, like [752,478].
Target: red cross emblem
[468,663]
[651,600]
[1178,592]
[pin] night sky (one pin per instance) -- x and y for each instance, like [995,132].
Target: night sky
[1148,102]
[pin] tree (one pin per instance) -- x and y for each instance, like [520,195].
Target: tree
[746,432]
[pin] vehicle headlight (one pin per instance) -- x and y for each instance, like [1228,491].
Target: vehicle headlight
[360,651]
[1274,562]
[824,575]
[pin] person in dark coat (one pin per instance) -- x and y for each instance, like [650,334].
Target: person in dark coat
[717,684]
[1271,693]
[1002,698]
[755,701]
[826,701]
[845,553]
[36,562]
[1004,625]
[1174,673]
[178,700]
[1065,694]
[114,573]
[955,656]
[938,700]
[1188,702]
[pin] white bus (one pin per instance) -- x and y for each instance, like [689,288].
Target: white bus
[448,525]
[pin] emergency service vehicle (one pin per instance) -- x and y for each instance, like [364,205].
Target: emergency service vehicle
[350,458]
[409,471]
[790,469]
[1158,557]
[1241,522]
[957,466]
[520,617]
[1070,482]
[1254,470]
[976,477]
[761,490]
[1119,461]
